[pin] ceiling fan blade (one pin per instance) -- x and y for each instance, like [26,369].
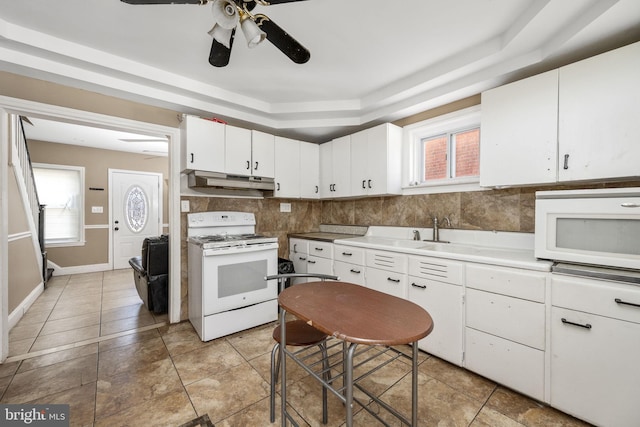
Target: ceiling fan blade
[164,1]
[270,2]
[282,40]
[220,54]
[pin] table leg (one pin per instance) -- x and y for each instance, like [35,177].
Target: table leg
[349,383]
[414,385]
[283,369]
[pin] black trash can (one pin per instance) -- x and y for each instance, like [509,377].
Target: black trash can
[285,267]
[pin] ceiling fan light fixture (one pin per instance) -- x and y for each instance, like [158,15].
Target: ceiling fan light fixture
[221,35]
[251,31]
[225,13]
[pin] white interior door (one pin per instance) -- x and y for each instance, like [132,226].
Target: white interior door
[136,199]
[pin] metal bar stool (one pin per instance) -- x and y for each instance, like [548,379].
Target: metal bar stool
[299,334]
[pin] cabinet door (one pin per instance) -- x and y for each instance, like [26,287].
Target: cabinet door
[237,151]
[202,144]
[444,303]
[299,261]
[319,265]
[387,281]
[309,170]
[599,128]
[287,168]
[326,170]
[359,163]
[594,372]
[351,273]
[384,160]
[519,132]
[262,154]
[341,164]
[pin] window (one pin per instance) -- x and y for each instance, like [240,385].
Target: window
[444,152]
[60,189]
[452,155]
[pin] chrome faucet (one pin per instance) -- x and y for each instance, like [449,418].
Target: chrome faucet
[416,235]
[436,228]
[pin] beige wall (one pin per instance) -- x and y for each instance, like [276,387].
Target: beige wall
[97,164]
[24,272]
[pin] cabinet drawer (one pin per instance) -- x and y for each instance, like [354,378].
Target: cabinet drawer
[513,365]
[388,282]
[321,249]
[608,299]
[389,261]
[351,273]
[506,281]
[348,254]
[515,319]
[298,246]
[436,269]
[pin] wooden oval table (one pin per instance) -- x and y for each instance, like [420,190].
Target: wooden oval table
[357,316]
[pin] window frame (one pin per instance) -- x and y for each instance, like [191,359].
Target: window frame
[414,134]
[81,203]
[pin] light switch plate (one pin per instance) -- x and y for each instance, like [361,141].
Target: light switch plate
[184,206]
[285,207]
[97,209]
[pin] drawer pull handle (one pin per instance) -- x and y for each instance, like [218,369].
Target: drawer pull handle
[303,259]
[625,205]
[319,249]
[393,280]
[355,271]
[311,262]
[347,253]
[415,285]
[619,301]
[586,325]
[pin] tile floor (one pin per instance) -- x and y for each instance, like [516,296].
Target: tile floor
[89,342]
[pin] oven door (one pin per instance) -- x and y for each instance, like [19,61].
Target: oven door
[234,277]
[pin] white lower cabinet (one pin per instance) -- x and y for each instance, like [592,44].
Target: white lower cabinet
[514,365]
[435,284]
[595,350]
[387,272]
[505,327]
[348,264]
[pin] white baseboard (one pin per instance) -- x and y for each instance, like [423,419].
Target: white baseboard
[79,269]
[22,308]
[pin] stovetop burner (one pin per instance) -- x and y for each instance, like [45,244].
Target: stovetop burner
[223,240]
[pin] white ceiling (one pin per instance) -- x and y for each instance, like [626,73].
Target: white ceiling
[371,60]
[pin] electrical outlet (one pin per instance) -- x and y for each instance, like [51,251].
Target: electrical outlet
[285,207]
[97,209]
[184,206]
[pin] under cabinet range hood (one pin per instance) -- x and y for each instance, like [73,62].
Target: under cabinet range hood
[221,183]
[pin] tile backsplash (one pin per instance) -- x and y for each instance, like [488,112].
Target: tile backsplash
[501,210]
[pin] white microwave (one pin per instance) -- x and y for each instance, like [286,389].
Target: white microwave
[596,227]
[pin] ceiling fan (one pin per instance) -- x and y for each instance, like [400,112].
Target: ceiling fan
[256,27]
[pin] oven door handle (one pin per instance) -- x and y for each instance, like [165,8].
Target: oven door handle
[234,250]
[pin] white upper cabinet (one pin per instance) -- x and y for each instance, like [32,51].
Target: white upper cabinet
[576,123]
[309,170]
[287,177]
[599,130]
[237,151]
[335,168]
[262,154]
[376,159]
[202,145]
[249,152]
[519,132]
